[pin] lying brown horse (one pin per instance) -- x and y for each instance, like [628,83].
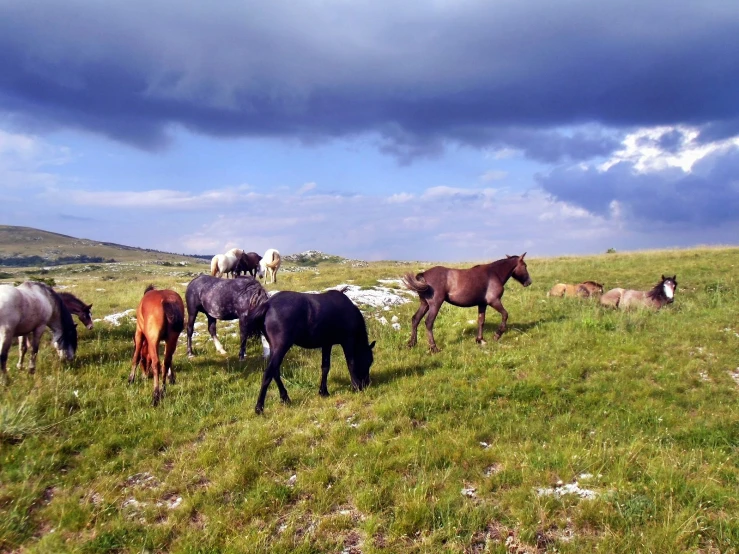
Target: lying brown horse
[159,316]
[662,293]
[481,286]
[585,289]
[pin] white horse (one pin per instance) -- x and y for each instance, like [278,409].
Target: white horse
[269,264]
[236,252]
[223,264]
[25,312]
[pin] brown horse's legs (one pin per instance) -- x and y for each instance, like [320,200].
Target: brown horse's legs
[169,348]
[325,367]
[156,366]
[416,319]
[430,318]
[480,322]
[137,338]
[498,305]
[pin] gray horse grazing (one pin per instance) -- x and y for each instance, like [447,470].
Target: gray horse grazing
[662,293]
[27,310]
[222,299]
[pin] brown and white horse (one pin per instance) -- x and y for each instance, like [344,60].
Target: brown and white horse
[662,293]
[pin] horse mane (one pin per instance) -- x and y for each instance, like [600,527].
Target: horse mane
[69,298]
[69,329]
[148,288]
[343,289]
[658,291]
[591,283]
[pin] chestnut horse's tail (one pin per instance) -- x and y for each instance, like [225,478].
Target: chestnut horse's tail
[417,283]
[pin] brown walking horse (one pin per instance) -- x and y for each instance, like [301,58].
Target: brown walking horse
[159,316]
[481,286]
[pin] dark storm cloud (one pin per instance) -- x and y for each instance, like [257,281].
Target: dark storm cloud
[418,74]
[707,196]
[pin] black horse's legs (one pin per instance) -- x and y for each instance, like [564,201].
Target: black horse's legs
[272,371]
[430,318]
[498,305]
[417,317]
[191,316]
[480,322]
[325,367]
[212,331]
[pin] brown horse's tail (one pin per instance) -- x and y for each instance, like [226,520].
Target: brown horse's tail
[417,283]
[174,315]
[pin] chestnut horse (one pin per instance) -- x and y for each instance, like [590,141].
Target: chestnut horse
[481,286]
[159,316]
[585,289]
[662,293]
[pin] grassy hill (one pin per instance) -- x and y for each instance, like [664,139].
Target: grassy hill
[581,430]
[25,246]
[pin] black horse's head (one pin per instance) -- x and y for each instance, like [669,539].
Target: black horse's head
[362,362]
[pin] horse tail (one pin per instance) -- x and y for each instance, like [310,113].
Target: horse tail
[147,289]
[214,266]
[174,315]
[417,283]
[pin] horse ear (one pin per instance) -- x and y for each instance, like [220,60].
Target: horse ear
[507,256]
[89,307]
[522,255]
[663,277]
[372,345]
[674,277]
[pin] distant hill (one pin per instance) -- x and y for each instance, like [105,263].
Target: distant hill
[25,246]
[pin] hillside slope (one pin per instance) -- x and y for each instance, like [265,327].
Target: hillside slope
[25,246]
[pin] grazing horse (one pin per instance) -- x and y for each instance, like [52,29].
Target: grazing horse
[269,265]
[78,307]
[27,310]
[585,289]
[224,300]
[662,293]
[312,321]
[159,316]
[223,264]
[481,286]
[248,263]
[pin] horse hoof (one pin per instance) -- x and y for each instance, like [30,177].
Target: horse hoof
[259,410]
[286,400]
[481,342]
[435,350]
[190,355]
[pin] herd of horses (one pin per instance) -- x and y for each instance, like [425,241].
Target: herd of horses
[236,262]
[308,320]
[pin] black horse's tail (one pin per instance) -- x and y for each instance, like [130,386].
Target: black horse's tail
[417,283]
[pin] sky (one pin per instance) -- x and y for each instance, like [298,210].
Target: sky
[421,130]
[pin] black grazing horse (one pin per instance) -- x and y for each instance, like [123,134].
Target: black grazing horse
[312,321]
[480,286]
[248,263]
[224,299]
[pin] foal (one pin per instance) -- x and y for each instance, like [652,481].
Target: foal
[159,316]
[662,293]
[481,286]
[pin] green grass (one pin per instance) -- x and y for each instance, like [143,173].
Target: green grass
[644,402]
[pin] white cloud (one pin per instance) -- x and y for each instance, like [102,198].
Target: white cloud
[306,187]
[642,149]
[493,175]
[400,198]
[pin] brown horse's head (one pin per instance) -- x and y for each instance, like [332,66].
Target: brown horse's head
[520,272]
